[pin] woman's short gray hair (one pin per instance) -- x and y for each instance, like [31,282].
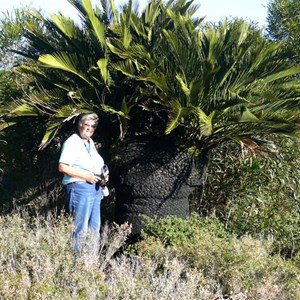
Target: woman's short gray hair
[88,117]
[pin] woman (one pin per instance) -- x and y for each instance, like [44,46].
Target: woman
[80,162]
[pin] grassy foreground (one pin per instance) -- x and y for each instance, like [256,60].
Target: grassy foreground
[37,262]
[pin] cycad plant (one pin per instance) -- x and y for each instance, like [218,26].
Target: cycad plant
[168,88]
[217,84]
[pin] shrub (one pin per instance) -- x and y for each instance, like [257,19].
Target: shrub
[38,262]
[240,266]
[256,195]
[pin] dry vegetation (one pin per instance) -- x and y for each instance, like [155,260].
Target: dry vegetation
[37,262]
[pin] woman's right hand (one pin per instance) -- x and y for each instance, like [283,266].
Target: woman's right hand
[72,172]
[92,178]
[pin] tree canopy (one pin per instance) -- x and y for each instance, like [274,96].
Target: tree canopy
[158,72]
[283,25]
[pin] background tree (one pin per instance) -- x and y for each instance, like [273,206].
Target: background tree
[283,25]
[24,167]
[11,38]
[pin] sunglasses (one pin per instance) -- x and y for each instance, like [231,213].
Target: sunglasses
[89,126]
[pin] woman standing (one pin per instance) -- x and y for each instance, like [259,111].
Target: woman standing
[80,162]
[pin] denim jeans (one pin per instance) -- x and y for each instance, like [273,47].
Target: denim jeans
[84,201]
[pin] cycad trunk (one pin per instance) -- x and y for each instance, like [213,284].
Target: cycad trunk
[153,179]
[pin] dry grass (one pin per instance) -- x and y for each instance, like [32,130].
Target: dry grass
[37,262]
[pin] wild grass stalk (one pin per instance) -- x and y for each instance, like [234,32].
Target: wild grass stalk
[37,261]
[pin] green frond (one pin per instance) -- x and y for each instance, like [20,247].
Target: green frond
[248,116]
[125,19]
[177,114]
[205,122]
[159,80]
[183,85]
[282,74]
[118,49]
[114,12]
[67,112]
[244,31]
[77,4]
[103,66]
[127,67]
[42,76]
[151,13]
[65,24]
[25,109]
[127,37]
[98,27]
[123,116]
[135,52]
[51,132]
[4,125]
[113,111]
[63,61]
[125,109]
[138,26]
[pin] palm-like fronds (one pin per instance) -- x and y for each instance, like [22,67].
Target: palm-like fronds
[223,83]
[159,72]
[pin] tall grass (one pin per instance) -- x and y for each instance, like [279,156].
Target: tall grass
[37,262]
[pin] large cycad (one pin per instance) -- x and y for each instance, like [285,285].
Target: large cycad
[175,89]
[216,84]
[206,87]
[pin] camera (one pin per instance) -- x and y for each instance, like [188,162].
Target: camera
[103,180]
[104,173]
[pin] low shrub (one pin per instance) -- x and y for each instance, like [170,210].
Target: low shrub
[255,194]
[37,262]
[240,266]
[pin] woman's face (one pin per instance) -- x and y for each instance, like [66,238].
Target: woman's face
[87,128]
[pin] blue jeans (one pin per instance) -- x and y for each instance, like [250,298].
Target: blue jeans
[84,201]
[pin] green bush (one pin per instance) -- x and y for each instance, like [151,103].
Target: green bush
[238,265]
[256,194]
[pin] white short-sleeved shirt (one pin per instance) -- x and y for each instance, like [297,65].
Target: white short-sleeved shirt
[81,156]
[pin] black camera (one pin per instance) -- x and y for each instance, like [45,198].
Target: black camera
[105,171]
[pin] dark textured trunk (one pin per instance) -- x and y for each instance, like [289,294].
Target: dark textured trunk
[154,179]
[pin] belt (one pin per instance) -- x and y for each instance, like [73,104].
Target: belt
[76,182]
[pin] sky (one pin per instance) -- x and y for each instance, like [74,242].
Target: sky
[212,10]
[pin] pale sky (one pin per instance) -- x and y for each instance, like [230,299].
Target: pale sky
[213,10]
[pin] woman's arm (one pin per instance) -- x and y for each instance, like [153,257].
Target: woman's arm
[72,172]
